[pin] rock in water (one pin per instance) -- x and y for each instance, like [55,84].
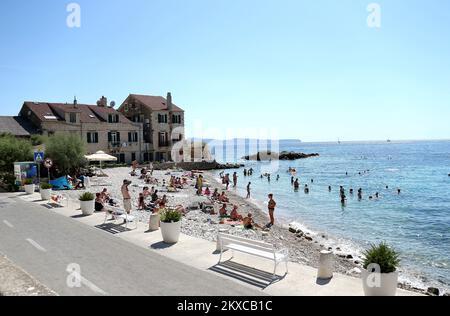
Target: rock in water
[433,291]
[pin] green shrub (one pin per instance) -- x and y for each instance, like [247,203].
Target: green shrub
[384,256]
[67,152]
[87,196]
[46,186]
[170,216]
[37,140]
[28,182]
[8,182]
[13,150]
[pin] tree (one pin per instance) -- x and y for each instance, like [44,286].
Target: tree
[67,152]
[13,150]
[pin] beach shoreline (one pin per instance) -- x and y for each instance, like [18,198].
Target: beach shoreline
[304,249]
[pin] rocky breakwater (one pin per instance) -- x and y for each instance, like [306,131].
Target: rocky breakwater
[189,166]
[284,155]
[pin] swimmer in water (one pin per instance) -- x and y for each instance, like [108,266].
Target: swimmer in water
[399,191]
[329,188]
[377,195]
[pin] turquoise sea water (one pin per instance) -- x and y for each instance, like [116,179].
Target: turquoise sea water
[416,222]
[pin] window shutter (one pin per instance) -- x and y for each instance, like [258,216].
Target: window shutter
[89,138]
[96,138]
[137,137]
[118,137]
[130,138]
[109,137]
[117,118]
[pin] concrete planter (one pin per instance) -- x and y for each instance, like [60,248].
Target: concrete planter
[30,188]
[87,207]
[380,284]
[171,232]
[46,194]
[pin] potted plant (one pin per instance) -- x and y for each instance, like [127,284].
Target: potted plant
[380,275]
[46,191]
[29,186]
[87,203]
[170,225]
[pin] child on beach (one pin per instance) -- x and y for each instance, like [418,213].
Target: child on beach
[248,190]
[141,203]
[207,191]
[235,179]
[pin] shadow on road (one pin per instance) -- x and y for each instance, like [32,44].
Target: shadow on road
[113,228]
[161,245]
[249,275]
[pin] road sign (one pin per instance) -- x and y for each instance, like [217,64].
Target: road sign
[48,163]
[38,156]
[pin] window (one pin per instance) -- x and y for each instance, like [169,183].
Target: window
[92,138]
[113,118]
[133,137]
[176,119]
[162,118]
[163,142]
[133,156]
[73,117]
[114,137]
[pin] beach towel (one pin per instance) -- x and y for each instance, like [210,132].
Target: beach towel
[61,184]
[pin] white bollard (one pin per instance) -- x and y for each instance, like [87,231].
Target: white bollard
[326,264]
[154,222]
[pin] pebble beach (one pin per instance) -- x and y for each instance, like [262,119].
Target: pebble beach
[304,247]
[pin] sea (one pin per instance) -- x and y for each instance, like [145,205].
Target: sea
[415,222]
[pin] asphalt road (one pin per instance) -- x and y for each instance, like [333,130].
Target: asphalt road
[74,259]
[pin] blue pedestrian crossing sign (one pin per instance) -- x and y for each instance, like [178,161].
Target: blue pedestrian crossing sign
[38,156]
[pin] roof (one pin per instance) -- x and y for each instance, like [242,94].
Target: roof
[155,103]
[16,126]
[47,112]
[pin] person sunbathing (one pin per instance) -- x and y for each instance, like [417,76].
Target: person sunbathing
[207,191]
[249,223]
[234,215]
[223,211]
[223,198]
[99,203]
[163,202]
[216,194]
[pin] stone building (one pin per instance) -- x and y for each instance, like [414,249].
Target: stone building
[161,121]
[100,126]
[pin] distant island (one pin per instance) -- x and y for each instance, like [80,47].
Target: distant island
[284,155]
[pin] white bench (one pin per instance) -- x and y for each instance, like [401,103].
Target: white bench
[119,214]
[253,247]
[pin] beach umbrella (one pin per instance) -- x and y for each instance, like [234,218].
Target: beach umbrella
[100,156]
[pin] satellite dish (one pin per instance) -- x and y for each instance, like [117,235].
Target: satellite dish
[113,104]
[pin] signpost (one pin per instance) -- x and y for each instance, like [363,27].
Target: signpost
[48,163]
[39,158]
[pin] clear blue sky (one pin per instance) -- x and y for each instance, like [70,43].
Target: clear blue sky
[312,69]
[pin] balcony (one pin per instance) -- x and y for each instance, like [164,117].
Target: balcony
[115,144]
[164,144]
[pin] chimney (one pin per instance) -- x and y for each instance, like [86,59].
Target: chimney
[75,102]
[103,102]
[169,102]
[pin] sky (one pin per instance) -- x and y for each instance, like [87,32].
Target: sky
[292,69]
